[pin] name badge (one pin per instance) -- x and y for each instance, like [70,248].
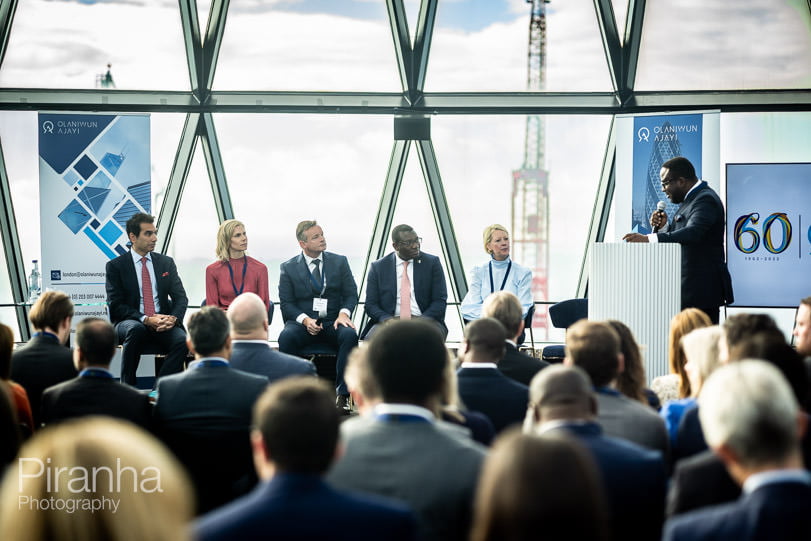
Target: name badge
[320,306]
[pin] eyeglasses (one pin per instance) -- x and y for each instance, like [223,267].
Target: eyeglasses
[666,182]
[414,242]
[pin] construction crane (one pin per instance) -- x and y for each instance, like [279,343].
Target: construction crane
[530,193]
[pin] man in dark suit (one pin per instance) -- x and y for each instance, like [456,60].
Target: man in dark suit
[294,441]
[95,391]
[251,351]
[406,271]
[699,228]
[45,361]
[204,413]
[505,307]
[318,294]
[752,422]
[147,301]
[561,400]
[481,386]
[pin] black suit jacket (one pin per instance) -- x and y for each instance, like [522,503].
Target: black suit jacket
[88,395]
[39,364]
[429,286]
[124,291]
[699,227]
[520,366]
[296,289]
[262,360]
[490,392]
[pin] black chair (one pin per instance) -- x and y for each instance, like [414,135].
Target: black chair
[563,315]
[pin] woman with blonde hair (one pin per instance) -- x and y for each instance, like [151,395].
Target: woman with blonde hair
[499,273]
[677,384]
[234,272]
[95,478]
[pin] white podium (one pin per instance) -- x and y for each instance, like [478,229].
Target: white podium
[640,285]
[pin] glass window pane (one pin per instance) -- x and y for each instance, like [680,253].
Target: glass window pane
[313,45]
[143,41]
[722,45]
[483,45]
[620,15]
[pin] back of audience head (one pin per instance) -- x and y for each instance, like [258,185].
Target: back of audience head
[701,352]
[681,324]
[484,341]
[535,487]
[208,332]
[802,328]
[560,393]
[360,382]
[248,317]
[595,347]
[406,360]
[295,427]
[750,418]
[6,349]
[53,312]
[631,381]
[738,327]
[505,307]
[96,342]
[120,462]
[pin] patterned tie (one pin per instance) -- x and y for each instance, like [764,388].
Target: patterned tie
[317,271]
[405,294]
[146,289]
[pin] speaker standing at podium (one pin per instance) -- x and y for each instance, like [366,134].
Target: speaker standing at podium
[699,227]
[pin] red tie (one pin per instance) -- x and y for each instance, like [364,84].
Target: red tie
[146,289]
[405,294]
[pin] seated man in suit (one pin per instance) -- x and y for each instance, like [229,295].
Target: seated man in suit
[251,351]
[95,391]
[595,347]
[751,420]
[505,307]
[398,450]
[406,272]
[294,441]
[147,301]
[481,386]
[204,413]
[562,400]
[318,294]
[45,361]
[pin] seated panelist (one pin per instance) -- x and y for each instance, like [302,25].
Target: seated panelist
[234,272]
[406,273]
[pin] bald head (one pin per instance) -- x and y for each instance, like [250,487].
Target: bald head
[561,392]
[249,318]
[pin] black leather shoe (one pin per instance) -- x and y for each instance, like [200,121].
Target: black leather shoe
[343,404]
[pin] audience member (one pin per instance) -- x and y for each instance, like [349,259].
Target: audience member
[147,301]
[45,361]
[751,420]
[802,334]
[251,351]
[19,397]
[95,479]
[95,391]
[631,381]
[10,436]
[204,414]
[676,384]
[505,307]
[452,410]
[234,272]
[318,294]
[403,453]
[481,386]
[595,347]
[633,477]
[406,272]
[295,440]
[362,388]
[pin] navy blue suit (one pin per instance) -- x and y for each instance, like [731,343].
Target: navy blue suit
[689,437]
[429,286]
[261,359]
[520,366]
[634,479]
[296,293]
[699,227]
[303,507]
[488,391]
[773,511]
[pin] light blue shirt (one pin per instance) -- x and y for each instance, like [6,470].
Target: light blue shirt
[518,282]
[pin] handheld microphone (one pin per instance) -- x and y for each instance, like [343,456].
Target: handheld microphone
[660,207]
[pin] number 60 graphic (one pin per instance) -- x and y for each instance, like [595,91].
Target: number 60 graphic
[743,231]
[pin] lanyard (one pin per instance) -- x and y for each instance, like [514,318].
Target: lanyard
[95,373]
[503,282]
[237,293]
[323,284]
